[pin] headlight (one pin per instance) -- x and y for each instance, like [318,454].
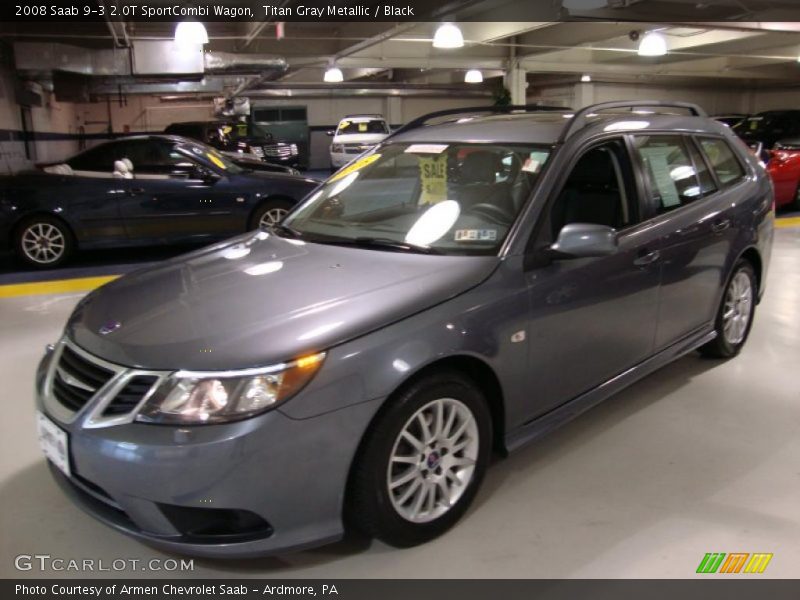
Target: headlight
[196,398]
[337,148]
[257,151]
[293,149]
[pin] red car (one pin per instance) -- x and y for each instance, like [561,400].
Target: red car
[784,168]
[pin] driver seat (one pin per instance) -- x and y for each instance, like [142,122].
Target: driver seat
[479,181]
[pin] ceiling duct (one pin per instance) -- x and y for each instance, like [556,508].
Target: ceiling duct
[38,57]
[150,58]
[242,64]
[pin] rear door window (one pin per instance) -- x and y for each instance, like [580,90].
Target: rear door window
[723,160]
[669,170]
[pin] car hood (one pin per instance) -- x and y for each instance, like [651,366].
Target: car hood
[260,299]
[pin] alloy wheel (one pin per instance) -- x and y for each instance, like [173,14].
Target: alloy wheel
[738,308]
[433,460]
[272,216]
[43,243]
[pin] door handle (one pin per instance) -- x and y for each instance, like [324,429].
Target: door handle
[720,225]
[135,191]
[645,257]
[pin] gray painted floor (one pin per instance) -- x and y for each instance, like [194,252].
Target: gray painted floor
[703,456]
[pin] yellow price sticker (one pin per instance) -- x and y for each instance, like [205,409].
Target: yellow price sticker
[433,177]
[356,166]
[216,160]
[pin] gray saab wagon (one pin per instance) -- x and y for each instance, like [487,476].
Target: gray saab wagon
[468,285]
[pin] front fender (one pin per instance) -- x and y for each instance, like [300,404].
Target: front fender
[484,323]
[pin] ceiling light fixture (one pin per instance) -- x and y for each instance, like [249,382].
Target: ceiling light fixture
[333,75]
[653,44]
[190,33]
[448,36]
[586,78]
[473,76]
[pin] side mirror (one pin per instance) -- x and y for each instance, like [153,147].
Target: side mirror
[330,133]
[205,175]
[583,240]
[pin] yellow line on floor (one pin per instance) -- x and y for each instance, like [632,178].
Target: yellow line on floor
[787,222]
[62,286]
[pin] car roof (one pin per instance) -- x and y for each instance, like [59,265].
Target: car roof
[547,127]
[361,118]
[202,123]
[152,136]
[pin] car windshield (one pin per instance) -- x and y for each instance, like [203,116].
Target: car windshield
[209,156]
[436,198]
[359,126]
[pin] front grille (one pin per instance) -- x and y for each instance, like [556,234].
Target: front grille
[356,148]
[129,397]
[79,378]
[76,379]
[280,150]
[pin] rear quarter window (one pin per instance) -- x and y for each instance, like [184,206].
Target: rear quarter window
[723,160]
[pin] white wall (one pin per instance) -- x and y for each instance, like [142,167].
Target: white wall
[51,117]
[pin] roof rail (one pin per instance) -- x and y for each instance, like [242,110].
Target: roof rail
[424,119]
[579,120]
[363,115]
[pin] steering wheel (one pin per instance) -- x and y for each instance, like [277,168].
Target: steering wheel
[492,212]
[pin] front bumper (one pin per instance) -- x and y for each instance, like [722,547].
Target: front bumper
[288,474]
[340,159]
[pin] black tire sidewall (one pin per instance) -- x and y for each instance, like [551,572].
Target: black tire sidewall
[379,518]
[69,241]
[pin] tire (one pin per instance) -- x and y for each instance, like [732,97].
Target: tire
[270,212]
[389,515]
[43,242]
[732,332]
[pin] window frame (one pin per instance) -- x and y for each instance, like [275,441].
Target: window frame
[541,234]
[720,185]
[652,207]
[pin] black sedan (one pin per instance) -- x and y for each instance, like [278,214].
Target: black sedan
[136,191]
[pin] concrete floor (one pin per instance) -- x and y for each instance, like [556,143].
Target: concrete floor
[703,456]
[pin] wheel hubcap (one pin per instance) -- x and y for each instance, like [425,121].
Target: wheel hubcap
[272,216]
[738,305]
[43,243]
[433,460]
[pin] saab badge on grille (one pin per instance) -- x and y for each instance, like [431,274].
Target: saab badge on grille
[109,327]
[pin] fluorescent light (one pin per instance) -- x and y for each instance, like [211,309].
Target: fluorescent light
[653,44]
[333,75]
[586,78]
[473,76]
[191,33]
[448,36]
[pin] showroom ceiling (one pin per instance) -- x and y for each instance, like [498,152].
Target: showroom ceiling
[756,44]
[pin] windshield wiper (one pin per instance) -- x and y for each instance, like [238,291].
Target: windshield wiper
[379,242]
[286,230]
